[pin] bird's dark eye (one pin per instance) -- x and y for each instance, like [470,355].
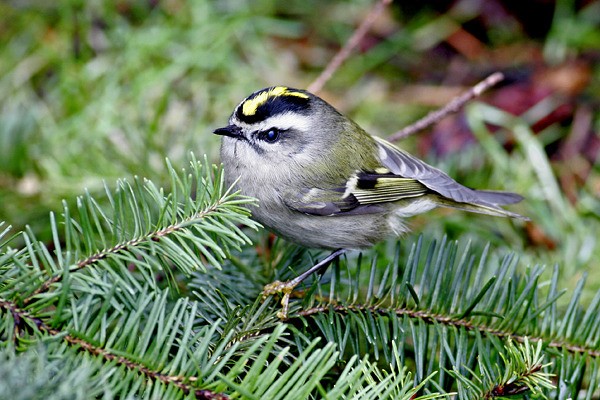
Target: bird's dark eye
[270,135]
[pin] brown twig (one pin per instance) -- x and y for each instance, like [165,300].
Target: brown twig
[453,106]
[345,51]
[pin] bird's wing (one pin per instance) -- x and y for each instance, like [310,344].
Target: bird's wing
[408,166]
[320,201]
[400,176]
[363,192]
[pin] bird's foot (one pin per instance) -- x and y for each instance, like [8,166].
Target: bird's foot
[284,288]
[288,287]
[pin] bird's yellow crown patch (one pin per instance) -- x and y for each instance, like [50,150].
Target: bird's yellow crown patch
[251,105]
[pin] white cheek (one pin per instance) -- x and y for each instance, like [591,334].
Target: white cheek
[243,161]
[276,163]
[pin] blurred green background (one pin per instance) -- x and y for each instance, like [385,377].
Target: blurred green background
[92,91]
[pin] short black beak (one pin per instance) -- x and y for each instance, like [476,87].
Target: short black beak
[231,131]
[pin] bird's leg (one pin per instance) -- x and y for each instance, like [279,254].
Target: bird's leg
[287,287]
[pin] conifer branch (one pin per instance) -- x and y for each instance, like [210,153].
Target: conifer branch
[521,370]
[196,224]
[123,247]
[446,320]
[22,317]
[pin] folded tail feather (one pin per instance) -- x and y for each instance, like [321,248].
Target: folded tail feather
[481,208]
[500,198]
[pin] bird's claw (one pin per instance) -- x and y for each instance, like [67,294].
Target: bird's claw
[285,288]
[288,287]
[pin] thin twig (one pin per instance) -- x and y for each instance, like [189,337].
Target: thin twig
[345,51]
[453,106]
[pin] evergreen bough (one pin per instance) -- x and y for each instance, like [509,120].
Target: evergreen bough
[155,293]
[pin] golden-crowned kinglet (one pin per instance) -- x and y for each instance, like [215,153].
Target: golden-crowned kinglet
[323,182]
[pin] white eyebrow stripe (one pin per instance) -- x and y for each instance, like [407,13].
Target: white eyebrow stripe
[286,121]
[282,122]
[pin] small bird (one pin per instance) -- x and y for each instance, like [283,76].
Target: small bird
[323,182]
